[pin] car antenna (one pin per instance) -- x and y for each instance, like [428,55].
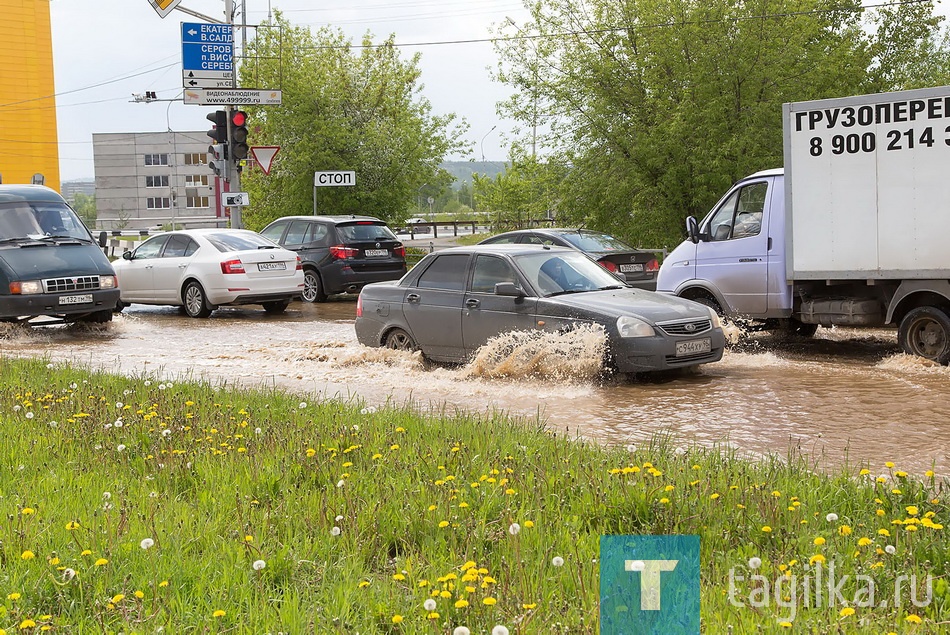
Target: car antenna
[548,247]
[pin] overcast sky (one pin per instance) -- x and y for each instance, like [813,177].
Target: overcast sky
[105,51]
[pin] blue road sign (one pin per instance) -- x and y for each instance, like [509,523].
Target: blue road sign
[207,47]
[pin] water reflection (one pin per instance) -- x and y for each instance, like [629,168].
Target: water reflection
[846,396]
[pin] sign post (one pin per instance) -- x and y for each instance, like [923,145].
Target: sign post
[331,178]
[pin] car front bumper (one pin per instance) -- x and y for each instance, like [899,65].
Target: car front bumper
[17,306]
[647,354]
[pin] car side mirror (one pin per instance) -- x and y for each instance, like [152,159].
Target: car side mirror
[692,229]
[126,255]
[509,289]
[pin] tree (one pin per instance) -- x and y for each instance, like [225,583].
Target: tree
[85,205]
[659,105]
[344,107]
[528,190]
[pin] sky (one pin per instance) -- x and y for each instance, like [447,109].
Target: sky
[108,50]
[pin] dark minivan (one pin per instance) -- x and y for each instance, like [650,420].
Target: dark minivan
[340,254]
[50,265]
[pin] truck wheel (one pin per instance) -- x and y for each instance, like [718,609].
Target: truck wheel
[925,332]
[196,305]
[313,287]
[399,340]
[710,302]
[801,329]
[97,317]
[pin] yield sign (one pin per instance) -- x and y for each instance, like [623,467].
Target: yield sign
[164,7]
[264,155]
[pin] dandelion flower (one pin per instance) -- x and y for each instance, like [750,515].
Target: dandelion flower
[27,555]
[26,511]
[832,517]
[864,541]
[461,630]
[336,531]
[69,574]
[890,549]
[101,562]
[489,601]
[755,563]
[514,528]
[429,605]
[25,624]
[258,565]
[461,604]
[71,525]
[819,541]
[363,584]
[499,630]
[528,524]
[444,524]
[766,529]
[218,613]
[846,611]
[913,619]
[146,543]
[785,624]
[557,561]
[13,596]
[397,619]
[118,598]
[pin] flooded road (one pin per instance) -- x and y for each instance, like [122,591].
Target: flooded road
[843,396]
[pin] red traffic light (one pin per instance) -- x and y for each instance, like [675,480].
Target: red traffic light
[238,118]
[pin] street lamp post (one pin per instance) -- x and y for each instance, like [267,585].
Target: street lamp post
[483,140]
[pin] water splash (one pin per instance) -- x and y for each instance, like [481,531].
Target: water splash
[575,355]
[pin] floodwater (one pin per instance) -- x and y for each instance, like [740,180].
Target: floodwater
[842,397]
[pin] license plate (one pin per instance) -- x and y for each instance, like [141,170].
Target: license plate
[271,266]
[637,268]
[693,347]
[85,298]
[376,253]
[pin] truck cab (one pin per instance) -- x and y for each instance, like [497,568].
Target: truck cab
[50,265]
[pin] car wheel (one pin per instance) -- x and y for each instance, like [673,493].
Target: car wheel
[925,332]
[801,329]
[313,287]
[399,340]
[119,306]
[276,307]
[97,317]
[196,305]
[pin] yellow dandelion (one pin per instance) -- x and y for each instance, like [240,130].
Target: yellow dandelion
[913,619]
[443,524]
[27,555]
[163,583]
[311,452]
[766,529]
[363,584]
[101,562]
[816,559]
[844,530]
[819,541]
[397,618]
[785,624]
[528,524]
[912,510]
[117,598]
[72,525]
[139,594]
[13,596]
[461,604]
[889,465]
[929,473]
[218,613]
[433,615]
[846,612]
[883,532]
[864,542]
[489,601]
[399,577]
[529,607]
[28,623]
[26,511]
[248,538]
[85,552]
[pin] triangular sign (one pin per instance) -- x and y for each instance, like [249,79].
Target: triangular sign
[264,155]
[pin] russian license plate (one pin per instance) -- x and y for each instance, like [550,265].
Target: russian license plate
[635,268]
[85,298]
[693,347]
[376,253]
[271,266]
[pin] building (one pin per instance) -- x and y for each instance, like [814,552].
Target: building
[27,94]
[147,180]
[69,189]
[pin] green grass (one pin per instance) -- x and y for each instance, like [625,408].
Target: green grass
[361,515]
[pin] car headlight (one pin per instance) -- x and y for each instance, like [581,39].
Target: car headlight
[107,282]
[634,327]
[26,287]
[714,317]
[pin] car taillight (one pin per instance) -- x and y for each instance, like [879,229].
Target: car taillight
[299,264]
[609,266]
[399,252]
[339,252]
[359,305]
[653,266]
[232,266]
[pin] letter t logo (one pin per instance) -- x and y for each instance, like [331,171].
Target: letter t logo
[649,580]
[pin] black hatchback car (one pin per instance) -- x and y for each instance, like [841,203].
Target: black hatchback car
[340,254]
[636,266]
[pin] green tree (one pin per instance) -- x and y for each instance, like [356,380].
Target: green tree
[85,205]
[345,107]
[659,105]
[528,190]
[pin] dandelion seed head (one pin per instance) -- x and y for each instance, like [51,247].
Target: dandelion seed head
[832,517]
[302,405]
[29,415]
[558,561]
[429,605]
[339,518]
[891,549]
[258,565]
[146,543]
[120,447]
[461,630]
[499,630]
[514,528]
[755,563]
[336,531]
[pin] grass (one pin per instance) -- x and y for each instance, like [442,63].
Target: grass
[134,503]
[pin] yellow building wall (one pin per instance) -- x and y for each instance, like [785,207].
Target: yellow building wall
[28,142]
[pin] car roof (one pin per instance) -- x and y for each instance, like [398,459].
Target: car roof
[333,218]
[19,192]
[551,230]
[505,249]
[203,231]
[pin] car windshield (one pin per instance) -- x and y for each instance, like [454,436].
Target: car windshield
[365,231]
[559,272]
[239,241]
[595,242]
[38,220]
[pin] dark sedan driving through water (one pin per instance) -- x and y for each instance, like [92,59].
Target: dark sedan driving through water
[455,300]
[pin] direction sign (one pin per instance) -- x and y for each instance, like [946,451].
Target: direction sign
[164,7]
[207,79]
[231,97]
[207,47]
[264,155]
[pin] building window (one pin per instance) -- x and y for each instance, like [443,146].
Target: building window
[192,180]
[158,203]
[156,181]
[196,158]
[156,159]
[195,202]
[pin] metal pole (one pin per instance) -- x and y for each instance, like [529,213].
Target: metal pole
[234,176]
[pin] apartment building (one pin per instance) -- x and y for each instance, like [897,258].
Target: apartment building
[146,180]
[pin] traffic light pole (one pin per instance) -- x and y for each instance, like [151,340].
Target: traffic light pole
[234,175]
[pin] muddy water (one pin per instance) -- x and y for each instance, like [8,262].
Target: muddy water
[845,396]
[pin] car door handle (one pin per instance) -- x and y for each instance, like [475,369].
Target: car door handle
[472,303]
[413,297]
[149,266]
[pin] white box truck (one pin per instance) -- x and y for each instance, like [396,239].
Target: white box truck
[855,231]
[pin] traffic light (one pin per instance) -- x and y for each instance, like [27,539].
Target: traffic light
[218,159]
[238,140]
[219,131]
